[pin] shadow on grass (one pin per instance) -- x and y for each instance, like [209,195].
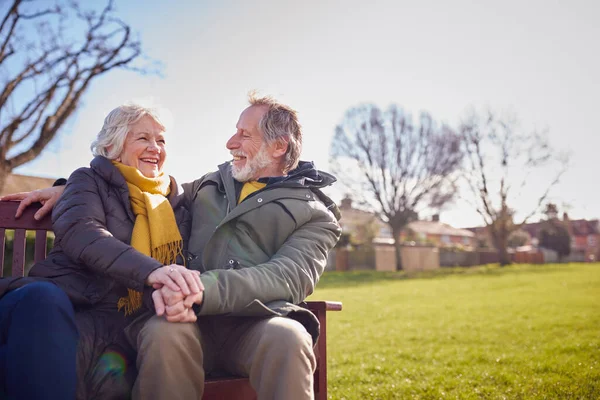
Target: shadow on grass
[334,279]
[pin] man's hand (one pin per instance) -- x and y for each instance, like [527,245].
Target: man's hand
[48,197]
[174,305]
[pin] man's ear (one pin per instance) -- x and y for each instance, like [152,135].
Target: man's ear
[280,148]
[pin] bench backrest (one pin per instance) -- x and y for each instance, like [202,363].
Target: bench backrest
[238,388]
[20,226]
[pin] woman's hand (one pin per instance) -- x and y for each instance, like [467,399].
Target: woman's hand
[176,277]
[48,197]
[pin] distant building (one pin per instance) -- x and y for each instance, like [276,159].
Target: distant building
[24,183]
[439,234]
[585,237]
[363,225]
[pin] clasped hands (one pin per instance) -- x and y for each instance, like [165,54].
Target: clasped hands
[177,289]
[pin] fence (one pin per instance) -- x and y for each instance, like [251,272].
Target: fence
[382,257]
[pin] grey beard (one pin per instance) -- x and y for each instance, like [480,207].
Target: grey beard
[250,170]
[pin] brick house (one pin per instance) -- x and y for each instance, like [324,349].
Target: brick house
[585,237]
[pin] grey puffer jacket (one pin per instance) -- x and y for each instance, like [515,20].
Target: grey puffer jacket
[94,264]
[265,255]
[93,223]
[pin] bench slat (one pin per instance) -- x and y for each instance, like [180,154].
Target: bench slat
[228,388]
[25,221]
[2,243]
[40,245]
[18,264]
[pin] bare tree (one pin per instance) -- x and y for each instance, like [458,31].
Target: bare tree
[501,162]
[393,167]
[49,55]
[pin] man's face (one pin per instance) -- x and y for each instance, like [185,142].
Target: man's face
[252,156]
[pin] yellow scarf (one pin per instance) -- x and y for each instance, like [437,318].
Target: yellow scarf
[155,232]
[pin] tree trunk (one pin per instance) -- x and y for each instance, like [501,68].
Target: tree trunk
[504,257]
[3,176]
[499,236]
[398,249]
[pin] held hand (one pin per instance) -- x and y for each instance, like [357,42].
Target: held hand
[175,305]
[175,313]
[48,197]
[171,297]
[176,308]
[177,278]
[180,312]
[187,315]
[192,299]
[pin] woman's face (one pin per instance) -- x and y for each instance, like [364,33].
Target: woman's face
[145,147]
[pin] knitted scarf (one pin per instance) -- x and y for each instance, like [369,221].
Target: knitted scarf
[155,232]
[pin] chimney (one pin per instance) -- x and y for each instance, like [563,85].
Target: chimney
[436,218]
[346,203]
[565,216]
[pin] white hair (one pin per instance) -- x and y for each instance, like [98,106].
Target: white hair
[280,122]
[111,138]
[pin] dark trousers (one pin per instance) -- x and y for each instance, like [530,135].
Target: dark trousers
[38,343]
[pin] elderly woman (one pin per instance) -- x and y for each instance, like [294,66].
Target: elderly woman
[120,229]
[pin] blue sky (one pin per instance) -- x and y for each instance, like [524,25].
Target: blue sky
[539,59]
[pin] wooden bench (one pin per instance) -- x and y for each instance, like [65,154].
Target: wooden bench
[222,388]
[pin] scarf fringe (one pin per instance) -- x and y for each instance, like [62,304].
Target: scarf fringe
[167,254]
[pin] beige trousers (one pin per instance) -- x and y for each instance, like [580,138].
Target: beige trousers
[275,353]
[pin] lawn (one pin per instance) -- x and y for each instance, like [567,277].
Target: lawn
[519,332]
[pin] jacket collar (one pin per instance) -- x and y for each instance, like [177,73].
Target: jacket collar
[305,176]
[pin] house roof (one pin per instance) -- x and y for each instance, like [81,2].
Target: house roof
[577,227]
[24,183]
[582,227]
[438,228]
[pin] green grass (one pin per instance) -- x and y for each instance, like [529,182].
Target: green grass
[519,332]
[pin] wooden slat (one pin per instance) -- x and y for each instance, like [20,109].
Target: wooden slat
[228,388]
[18,264]
[321,372]
[333,306]
[2,244]
[40,245]
[26,221]
[324,305]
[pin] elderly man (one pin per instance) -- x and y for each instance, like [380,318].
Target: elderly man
[260,236]
[261,232]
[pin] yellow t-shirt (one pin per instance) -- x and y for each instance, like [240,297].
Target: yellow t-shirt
[249,188]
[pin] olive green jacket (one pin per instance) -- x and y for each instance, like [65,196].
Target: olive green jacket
[264,256]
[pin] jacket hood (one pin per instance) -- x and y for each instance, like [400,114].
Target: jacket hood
[305,176]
